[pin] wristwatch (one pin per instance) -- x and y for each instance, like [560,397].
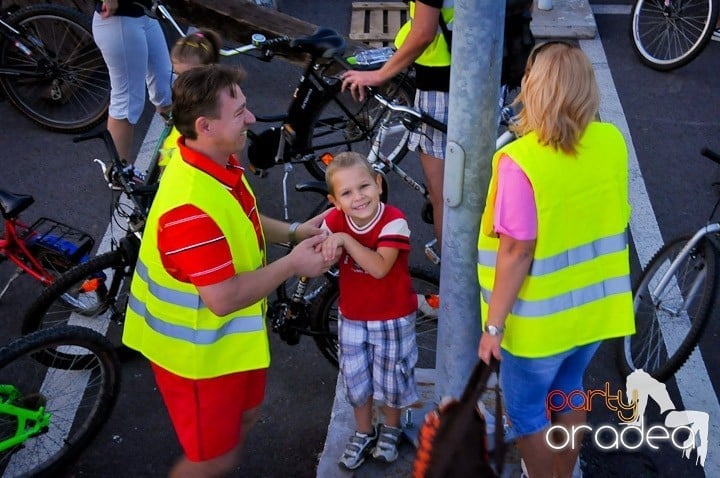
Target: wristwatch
[494,331]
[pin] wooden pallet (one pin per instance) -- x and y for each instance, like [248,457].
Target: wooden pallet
[377,23]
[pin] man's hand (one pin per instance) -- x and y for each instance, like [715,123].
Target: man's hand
[311,227]
[308,262]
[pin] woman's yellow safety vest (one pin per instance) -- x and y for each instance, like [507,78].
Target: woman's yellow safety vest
[438,52]
[166,319]
[578,288]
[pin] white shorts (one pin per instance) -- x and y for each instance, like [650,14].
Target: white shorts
[137,57]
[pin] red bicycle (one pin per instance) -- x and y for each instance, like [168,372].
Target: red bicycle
[44,249]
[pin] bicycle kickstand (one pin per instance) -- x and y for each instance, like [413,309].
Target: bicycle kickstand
[12,279]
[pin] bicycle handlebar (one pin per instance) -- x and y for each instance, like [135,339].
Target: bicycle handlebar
[424,117]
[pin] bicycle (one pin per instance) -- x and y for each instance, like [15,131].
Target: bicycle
[320,117]
[51,69]
[102,307]
[51,406]
[44,249]
[673,299]
[668,34]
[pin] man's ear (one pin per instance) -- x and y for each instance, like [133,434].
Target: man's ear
[331,200]
[202,125]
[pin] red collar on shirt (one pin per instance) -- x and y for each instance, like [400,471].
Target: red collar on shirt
[228,175]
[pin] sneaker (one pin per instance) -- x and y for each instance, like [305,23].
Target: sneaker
[716,35]
[357,447]
[386,449]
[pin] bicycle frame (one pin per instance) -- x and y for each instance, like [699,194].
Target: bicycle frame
[29,422]
[14,248]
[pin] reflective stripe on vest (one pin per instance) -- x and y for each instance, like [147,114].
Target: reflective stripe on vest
[196,336]
[578,289]
[575,256]
[165,294]
[437,53]
[568,300]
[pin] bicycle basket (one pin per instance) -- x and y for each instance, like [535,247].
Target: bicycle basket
[263,147]
[57,237]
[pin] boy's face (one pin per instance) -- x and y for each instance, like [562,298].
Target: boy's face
[229,130]
[356,193]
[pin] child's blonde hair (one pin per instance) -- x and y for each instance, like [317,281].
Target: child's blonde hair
[559,94]
[203,44]
[344,160]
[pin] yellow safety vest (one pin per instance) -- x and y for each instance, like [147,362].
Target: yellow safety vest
[166,319]
[578,288]
[169,147]
[438,52]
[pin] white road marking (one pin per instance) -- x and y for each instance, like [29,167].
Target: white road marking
[692,379]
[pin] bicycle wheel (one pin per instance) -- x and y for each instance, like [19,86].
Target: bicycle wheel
[63,84]
[343,124]
[324,319]
[92,294]
[669,324]
[668,37]
[77,400]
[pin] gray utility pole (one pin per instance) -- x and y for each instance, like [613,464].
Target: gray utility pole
[472,129]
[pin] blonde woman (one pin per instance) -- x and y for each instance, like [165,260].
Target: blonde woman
[553,260]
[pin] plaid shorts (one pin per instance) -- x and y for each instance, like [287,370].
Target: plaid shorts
[378,358]
[430,140]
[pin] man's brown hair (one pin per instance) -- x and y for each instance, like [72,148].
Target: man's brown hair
[196,93]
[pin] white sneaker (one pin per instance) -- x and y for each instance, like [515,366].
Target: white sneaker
[716,35]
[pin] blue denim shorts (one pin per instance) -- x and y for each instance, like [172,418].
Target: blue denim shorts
[527,382]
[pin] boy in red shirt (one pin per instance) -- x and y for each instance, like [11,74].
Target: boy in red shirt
[377,305]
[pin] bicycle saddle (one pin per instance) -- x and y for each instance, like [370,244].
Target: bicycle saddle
[13,204]
[324,43]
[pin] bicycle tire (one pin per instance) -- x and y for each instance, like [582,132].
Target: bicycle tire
[73,93]
[333,126]
[648,347]
[101,309]
[79,399]
[324,319]
[668,38]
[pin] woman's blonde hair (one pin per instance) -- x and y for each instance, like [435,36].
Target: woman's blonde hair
[559,94]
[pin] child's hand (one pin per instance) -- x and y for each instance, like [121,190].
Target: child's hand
[330,246]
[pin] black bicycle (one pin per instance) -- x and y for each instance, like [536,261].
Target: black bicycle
[51,69]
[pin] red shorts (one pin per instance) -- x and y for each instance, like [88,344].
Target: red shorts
[207,413]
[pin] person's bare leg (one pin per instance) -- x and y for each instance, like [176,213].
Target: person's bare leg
[537,455]
[363,417]
[565,459]
[220,466]
[122,134]
[392,416]
[434,170]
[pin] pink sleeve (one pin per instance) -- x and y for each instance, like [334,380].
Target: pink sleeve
[515,210]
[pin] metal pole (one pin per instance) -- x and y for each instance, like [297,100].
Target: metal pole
[472,128]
